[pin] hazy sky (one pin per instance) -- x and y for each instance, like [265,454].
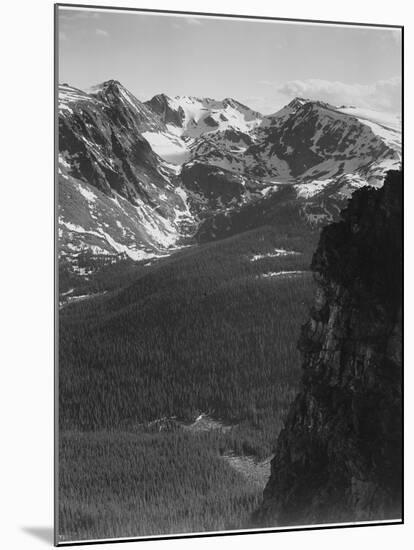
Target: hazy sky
[262,64]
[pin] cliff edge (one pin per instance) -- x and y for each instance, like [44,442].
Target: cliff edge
[339,456]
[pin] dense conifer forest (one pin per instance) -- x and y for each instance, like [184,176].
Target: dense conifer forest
[127,484]
[210,330]
[204,333]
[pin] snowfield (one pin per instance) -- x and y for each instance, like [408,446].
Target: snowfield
[385,125]
[169,147]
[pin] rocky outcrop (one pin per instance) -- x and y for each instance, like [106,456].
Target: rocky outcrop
[161,105]
[339,456]
[101,142]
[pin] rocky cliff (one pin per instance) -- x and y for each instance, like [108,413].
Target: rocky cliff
[339,456]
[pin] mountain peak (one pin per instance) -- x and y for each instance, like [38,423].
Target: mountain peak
[160,99]
[232,102]
[161,96]
[106,86]
[298,102]
[111,83]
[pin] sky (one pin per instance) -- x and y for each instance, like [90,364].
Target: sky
[263,64]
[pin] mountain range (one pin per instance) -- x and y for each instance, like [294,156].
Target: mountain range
[140,180]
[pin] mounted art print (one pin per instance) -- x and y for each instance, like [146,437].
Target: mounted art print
[229,274]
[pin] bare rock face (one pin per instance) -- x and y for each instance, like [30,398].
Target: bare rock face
[161,105]
[339,456]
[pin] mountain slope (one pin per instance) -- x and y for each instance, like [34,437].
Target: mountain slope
[116,196]
[385,125]
[325,154]
[191,116]
[317,140]
[339,455]
[306,140]
[121,198]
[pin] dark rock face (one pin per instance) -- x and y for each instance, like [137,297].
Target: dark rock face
[211,187]
[160,105]
[235,136]
[339,456]
[209,120]
[100,136]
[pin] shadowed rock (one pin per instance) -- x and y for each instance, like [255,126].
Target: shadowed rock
[339,456]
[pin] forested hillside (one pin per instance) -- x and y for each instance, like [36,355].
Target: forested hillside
[189,335]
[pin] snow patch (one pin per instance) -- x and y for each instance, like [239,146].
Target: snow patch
[271,274]
[308,190]
[278,252]
[169,147]
[89,196]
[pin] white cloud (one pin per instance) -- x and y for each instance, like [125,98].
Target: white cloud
[101,32]
[382,95]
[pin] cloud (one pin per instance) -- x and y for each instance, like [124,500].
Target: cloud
[101,32]
[382,95]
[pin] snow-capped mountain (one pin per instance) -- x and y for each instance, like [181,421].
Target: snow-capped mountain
[323,151]
[306,140]
[187,118]
[116,196]
[192,117]
[136,178]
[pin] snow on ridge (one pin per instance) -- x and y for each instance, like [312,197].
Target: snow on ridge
[63,161]
[197,110]
[392,138]
[387,126]
[389,120]
[87,194]
[129,98]
[278,252]
[69,94]
[133,253]
[308,190]
[163,232]
[271,274]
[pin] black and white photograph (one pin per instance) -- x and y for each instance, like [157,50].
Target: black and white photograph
[229,274]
